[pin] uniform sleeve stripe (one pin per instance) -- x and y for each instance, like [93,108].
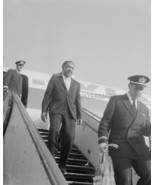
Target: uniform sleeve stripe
[102,137]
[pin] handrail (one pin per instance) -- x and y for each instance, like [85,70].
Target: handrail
[45,156]
[48,162]
[7,108]
[94,116]
[97,118]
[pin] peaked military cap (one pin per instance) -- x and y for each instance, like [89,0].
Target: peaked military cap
[21,62]
[140,80]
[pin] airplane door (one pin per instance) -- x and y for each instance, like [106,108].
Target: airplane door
[24,90]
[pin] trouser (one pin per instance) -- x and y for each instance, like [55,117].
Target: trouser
[66,135]
[123,170]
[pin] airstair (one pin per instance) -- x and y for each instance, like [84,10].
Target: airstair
[79,170]
[27,159]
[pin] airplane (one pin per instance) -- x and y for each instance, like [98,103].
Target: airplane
[94,99]
[94,96]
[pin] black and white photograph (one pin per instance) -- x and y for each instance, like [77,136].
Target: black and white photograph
[77,92]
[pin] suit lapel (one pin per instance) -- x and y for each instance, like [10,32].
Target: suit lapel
[128,106]
[72,84]
[18,76]
[137,114]
[62,82]
[138,107]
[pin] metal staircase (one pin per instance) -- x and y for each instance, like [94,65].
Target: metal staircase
[79,169]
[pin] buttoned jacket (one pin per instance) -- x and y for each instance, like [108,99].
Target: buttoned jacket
[121,125]
[13,80]
[57,99]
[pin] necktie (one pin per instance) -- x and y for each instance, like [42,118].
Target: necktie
[134,105]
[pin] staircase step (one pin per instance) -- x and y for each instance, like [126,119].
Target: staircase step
[76,150]
[80,169]
[46,131]
[44,134]
[79,177]
[79,183]
[73,155]
[80,162]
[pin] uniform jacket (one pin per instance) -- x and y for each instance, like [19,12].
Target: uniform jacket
[13,80]
[127,128]
[57,97]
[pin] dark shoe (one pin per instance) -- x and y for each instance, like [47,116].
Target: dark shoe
[58,147]
[63,170]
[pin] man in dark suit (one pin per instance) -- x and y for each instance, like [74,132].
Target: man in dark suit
[62,101]
[128,121]
[13,79]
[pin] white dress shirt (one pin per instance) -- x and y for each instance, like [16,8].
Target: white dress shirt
[67,81]
[131,99]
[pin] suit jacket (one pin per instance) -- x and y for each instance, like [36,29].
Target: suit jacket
[127,128]
[13,80]
[57,98]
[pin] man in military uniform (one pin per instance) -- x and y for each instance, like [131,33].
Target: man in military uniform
[13,79]
[62,101]
[128,121]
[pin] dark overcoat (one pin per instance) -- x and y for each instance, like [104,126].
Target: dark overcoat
[13,80]
[127,128]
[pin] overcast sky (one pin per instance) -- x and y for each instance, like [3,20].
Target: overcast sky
[108,40]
